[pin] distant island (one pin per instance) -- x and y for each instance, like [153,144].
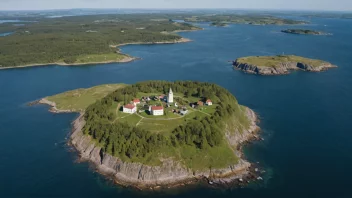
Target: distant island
[160,133]
[251,19]
[280,64]
[303,31]
[218,24]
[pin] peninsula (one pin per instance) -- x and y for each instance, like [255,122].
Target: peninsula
[82,40]
[160,133]
[280,64]
[304,32]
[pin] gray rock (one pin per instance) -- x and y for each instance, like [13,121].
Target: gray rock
[170,172]
[282,68]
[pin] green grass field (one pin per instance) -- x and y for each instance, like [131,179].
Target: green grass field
[131,119]
[273,61]
[158,125]
[79,99]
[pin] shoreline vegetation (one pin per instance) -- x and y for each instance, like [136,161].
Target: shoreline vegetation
[279,64]
[126,58]
[169,173]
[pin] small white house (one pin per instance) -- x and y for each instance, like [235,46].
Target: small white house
[129,108]
[156,110]
[136,102]
[209,102]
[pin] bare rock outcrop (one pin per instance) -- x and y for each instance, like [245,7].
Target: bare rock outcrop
[280,69]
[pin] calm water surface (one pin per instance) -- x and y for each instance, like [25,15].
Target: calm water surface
[305,117]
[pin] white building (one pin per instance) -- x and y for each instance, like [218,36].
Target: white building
[156,110]
[170,98]
[129,108]
[136,101]
[209,102]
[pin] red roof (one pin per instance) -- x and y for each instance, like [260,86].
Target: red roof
[129,106]
[154,108]
[208,100]
[136,100]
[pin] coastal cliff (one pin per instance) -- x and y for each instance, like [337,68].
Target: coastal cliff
[170,172]
[281,67]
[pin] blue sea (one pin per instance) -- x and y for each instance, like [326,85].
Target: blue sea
[305,117]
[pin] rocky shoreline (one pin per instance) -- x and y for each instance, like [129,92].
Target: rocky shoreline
[170,173]
[182,40]
[124,60]
[53,108]
[280,69]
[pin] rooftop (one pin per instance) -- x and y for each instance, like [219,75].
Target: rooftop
[155,108]
[129,106]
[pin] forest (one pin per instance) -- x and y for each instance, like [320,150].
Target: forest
[131,142]
[51,40]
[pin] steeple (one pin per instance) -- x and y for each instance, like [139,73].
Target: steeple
[170,91]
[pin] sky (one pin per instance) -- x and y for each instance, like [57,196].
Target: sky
[336,5]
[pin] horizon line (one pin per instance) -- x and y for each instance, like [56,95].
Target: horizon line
[243,9]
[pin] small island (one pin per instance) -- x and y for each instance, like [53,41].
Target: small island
[219,24]
[161,134]
[280,64]
[304,32]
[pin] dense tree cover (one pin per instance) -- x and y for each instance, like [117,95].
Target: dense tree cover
[256,19]
[64,39]
[124,140]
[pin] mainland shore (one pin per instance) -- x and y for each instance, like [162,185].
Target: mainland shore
[126,59]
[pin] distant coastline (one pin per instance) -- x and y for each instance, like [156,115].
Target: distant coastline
[124,60]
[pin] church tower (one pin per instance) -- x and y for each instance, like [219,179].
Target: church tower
[170,98]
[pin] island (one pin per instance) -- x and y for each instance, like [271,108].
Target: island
[161,134]
[304,32]
[250,19]
[218,24]
[280,64]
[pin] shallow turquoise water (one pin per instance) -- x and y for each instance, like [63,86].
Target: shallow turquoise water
[305,117]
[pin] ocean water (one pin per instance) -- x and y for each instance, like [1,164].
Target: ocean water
[6,34]
[305,117]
